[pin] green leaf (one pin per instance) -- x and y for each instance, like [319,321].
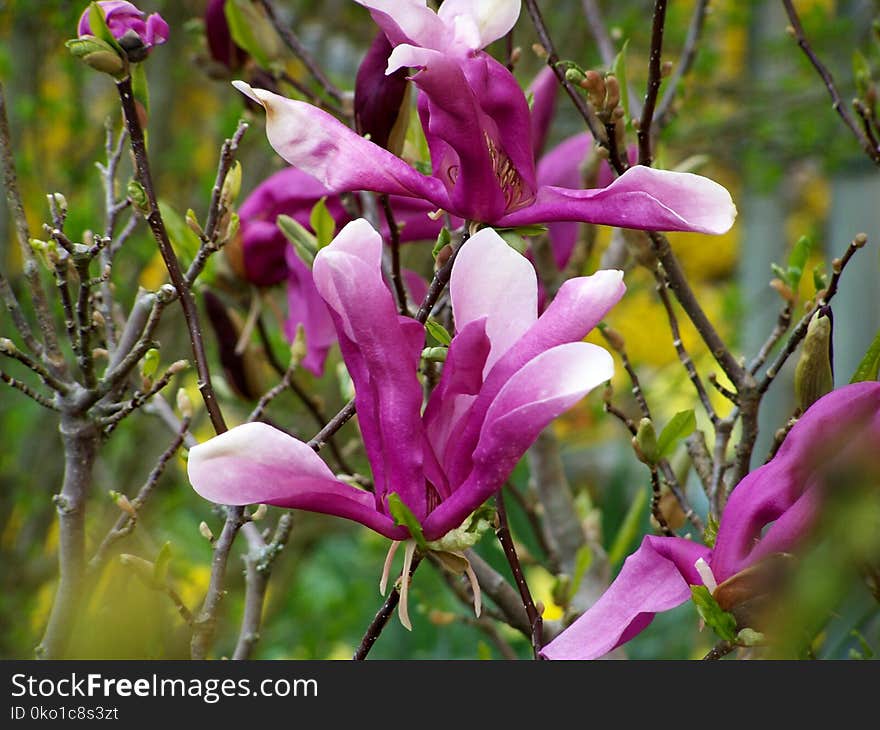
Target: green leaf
[443,240]
[535,229]
[781,273]
[252,30]
[160,567]
[185,242]
[582,562]
[322,223]
[139,86]
[680,426]
[629,529]
[797,260]
[514,240]
[719,620]
[710,534]
[438,332]
[869,367]
[405,518]
[618,68]
[98,26]
[305,243]
[150,363]
[820,280]
[861,73]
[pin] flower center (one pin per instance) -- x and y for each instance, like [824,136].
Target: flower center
[515,193]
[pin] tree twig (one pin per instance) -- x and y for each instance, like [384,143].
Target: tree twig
[394,236]
[655,77]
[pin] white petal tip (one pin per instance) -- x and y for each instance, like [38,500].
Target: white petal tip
[248,91]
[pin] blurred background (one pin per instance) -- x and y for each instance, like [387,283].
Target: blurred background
[752,115]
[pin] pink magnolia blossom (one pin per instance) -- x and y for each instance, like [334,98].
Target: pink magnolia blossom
[479,131]
[126,22]
[786,492]
[507,375]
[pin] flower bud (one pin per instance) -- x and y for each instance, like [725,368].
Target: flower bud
[205,531]
[98,54]
[381,108]
[813,376]
[184,404]
[645,442]
[126,24]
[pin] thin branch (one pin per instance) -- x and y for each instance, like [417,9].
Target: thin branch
[380,620]
[574,93]
[299,50]
[18,318]
[720,650]
[28,391]
[258,565]
[127,521]
[655,77]
[504,537]
[655,503]
[394,235]
[663,115]
[837,102]
[157,225]
[31,268]
[783,322]
[272,393]
[140,397]
[8,348]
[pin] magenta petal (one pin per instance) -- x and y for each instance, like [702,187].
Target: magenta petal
[489,279]
[378,96]
[255,463]
[382,352]
[546,387]
[786,490]
[306,307]
[641,198]
[314,141]
[578,307]
[655,578]
[544,89]
[157,30]
[408,21]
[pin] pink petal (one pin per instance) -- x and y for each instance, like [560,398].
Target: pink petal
[544,90]
[382,352]
[490,19]
[835,430]
[319,144]
[641,198]
[657,577]
[489,279]
[255,463]
[306,307]
[547,386]
[409,21]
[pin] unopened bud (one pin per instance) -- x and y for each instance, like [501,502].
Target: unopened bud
[205,531]
[231,185]
[144,569]
[645,442]
[193,222]
[259,513]
[539,50]
[123,502]
[150,363]
[138,197]
[7,346]
[574,76]
[515,55]
[98,54]
[860,240]
[813,376]
[612,93]
[184,404]
[178,367]
[783,289]
[665,69]
[59,202]
[298,348]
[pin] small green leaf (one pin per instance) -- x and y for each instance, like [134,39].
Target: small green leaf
[98,26]
[139,86]
[150,363]
[719,620]
[820,279]
[322,223]
[749,637]
[780,272]
[160,567]
[443,240]
[797,260]
[514,240]
[438,332]
[185,242]
[629,529]
[680,426]
[869,367]
[710,534]
[252,30]
[405,518]
[861,73]
[305,243]
[618,68]
[535,229]
[582,562]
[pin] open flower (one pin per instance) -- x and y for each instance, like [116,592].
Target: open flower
[787,492]
[507,375]
[265,257]
[126,22]
[479,132]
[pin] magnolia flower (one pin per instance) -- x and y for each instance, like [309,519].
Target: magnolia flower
[126,22]
[506,376]
[786,492]
[479,132]
[221,46]
[265,257]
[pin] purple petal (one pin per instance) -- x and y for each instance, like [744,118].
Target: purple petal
[255,463]
[476,121]
[220,44]
[548,385]
[382,352]
[489,279]
[578,307]
[787,489]
[319,144]
[157,30]
[450,400]
[544,89]
[657,577]
[415,284]
[377,96]
[305,307]
[641,198]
